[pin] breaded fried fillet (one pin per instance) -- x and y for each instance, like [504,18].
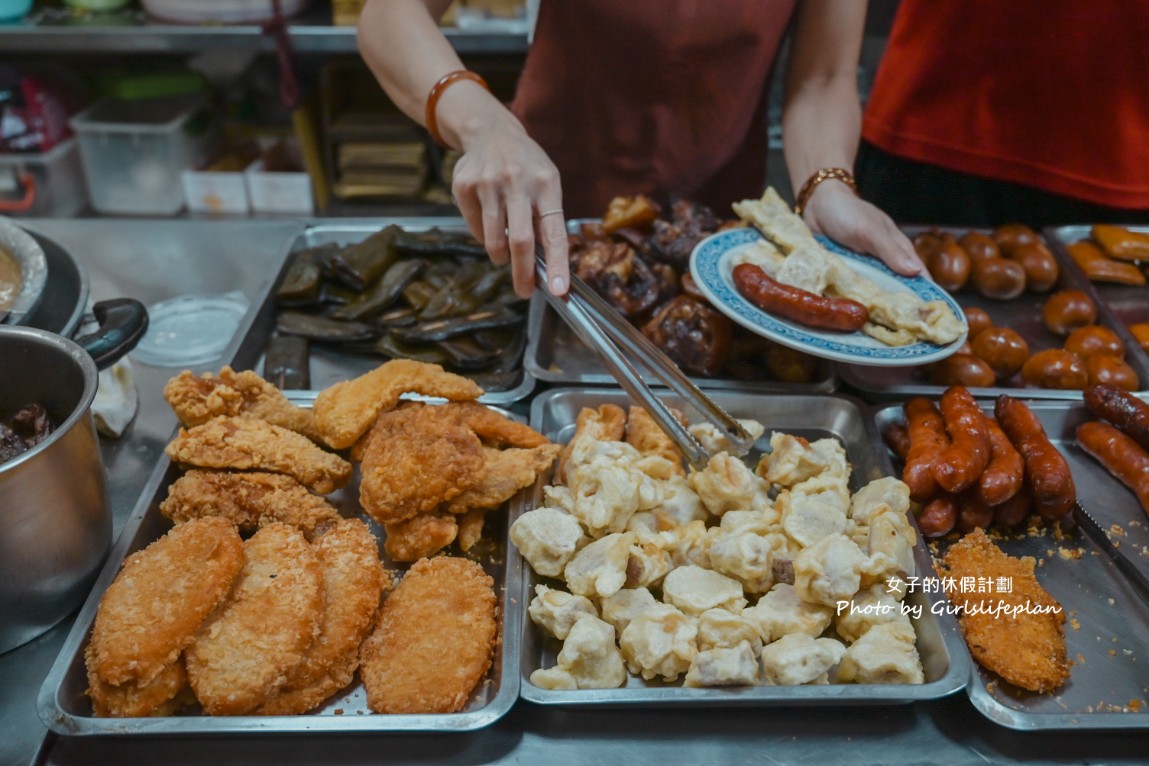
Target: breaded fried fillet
[163,695]
[160,598]
[434,640]
[198,399]
[420,536]
[353,584]
[1027,649]
[250,499]
[243,654]
[505,472]
[238,443]
[494,428]
[345,410]
[419,456]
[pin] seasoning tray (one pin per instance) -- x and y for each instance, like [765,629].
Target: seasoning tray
[1022,314]
[64,708]
[1106,623]
[328,363]
[944,658]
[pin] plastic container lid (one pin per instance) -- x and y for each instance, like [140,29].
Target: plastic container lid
[190,329]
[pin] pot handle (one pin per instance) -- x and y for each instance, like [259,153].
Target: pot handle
[123,322]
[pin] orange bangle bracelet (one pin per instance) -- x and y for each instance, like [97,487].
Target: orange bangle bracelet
[825,174]
[446,81]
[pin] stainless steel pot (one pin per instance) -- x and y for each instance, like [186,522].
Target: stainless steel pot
[55,523]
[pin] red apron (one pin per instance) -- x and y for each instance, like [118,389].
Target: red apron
[652,96]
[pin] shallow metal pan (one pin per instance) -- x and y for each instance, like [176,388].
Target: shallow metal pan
[64,708]
[329,364]
[1106,623]
[1022,314]
[944,658]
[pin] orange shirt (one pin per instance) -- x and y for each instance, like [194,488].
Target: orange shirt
[1053,95]
[669,96]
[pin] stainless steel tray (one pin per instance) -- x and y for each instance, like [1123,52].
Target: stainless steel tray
[1022,314]
[1106,623]
[555,355]
[329,364]
[944,657]
[64,708]
[1124,304]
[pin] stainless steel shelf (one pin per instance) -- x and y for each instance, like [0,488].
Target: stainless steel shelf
[55,30]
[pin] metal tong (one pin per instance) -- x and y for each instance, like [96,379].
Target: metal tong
[618,342]
[1096,532]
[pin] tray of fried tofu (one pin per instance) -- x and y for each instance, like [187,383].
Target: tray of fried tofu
[772,578]
[1072,641]
[300,607]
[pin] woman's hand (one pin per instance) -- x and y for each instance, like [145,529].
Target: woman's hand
[508,191]
[835,211]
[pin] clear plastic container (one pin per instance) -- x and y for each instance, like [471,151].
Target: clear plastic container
[50,184]
[135,151]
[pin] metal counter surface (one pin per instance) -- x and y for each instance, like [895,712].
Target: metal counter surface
[152,260]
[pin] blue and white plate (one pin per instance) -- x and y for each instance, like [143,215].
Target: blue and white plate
[711,265]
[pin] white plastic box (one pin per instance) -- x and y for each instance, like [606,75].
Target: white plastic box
[279,191]
[135,151]
[216,192]
[49,184]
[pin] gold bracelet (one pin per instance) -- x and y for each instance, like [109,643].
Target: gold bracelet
[430,121]
[825,174]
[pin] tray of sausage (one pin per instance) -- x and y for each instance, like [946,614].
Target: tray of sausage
[355,293]
[637,257]
[1081,665]
[723,611]
[1115,260]
[1038,328]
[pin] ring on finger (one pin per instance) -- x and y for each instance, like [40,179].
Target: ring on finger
[556,211]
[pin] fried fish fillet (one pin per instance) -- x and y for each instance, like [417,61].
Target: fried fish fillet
[1027,649]
[160,598]
[504,473]
[345,410]
[646,436]
[163,695]
[434,640]
[419,536]
[250,499]
[607,423]
[198,399]
[419,457]
[239,443]
[243,654]
[353,584]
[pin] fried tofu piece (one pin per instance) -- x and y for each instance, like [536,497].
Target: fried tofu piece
[239,443]
[162,595]
[196,399]
[249,499]
[346,410]
[419,457]
[1026,648]
[434,641]
[353,585]
[244,653]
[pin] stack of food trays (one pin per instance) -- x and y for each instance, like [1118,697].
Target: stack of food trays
[1125,299]
[1024,315]
[342,347]
[944,660]
[65,707]
[1105,620]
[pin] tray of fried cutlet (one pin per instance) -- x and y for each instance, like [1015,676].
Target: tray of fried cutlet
[330,562]
[1054,625]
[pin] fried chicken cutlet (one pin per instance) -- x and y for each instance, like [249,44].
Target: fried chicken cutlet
[162,595]
[434,640]
[1026,649]
[163,695]
[239,443]
[198,399]
[345,411]
[250,499]
[353,584]
[242,655]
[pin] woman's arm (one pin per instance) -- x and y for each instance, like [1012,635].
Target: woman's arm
[504,181]
[821,125]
